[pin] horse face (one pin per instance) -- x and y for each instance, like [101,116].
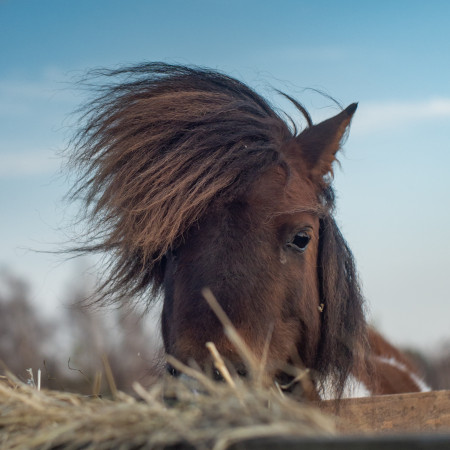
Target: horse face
[258,255]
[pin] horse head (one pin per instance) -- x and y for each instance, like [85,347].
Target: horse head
[193,181]
[276,263]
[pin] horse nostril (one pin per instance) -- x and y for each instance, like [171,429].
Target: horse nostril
[172,371]
[242,373]
[217,376]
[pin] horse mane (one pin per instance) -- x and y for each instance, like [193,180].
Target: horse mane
[157,146]
[343,343]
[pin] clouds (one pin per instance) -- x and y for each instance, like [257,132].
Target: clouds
[32,115]
[383,116]
[30,163]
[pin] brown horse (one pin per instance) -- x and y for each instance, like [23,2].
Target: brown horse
[192,180]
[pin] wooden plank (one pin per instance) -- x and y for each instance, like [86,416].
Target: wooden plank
[380,442]
[418,412]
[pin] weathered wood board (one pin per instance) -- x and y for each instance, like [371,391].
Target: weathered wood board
[378,442]
[419,421]
[418,412]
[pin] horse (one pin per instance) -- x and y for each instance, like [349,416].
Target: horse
[192,180]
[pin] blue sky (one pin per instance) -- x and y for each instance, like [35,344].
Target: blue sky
[390,56]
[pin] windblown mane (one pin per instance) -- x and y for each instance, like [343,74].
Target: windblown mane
[156,147]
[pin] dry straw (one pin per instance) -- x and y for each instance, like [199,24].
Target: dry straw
[187,412]
[215,415]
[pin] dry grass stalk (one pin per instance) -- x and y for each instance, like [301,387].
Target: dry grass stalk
[109,376]
[219,364]
[230,332]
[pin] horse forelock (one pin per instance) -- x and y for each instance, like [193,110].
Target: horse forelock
[155,149]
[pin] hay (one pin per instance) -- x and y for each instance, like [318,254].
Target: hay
[191,411]
[212,415]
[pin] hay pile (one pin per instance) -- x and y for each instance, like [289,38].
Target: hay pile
[191,411]
[169,414]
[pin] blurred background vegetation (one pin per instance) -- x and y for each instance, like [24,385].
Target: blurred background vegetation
[70,350]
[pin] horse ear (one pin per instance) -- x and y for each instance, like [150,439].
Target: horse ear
[320,143]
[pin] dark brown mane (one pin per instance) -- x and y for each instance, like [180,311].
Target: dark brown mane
[157,146]
[343,341]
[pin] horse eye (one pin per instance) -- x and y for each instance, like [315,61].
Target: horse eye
[300,241]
